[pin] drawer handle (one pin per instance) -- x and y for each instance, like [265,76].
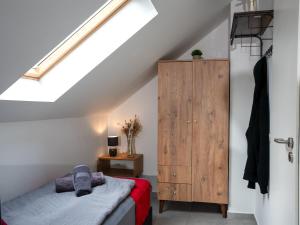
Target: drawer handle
[174,174]
[174,192]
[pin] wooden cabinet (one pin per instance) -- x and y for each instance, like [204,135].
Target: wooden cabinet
[175,174]
[103,165]
[193,124]
[174,192]
[175,113]
[210,131]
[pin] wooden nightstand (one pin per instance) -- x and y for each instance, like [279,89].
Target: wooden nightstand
[103,165]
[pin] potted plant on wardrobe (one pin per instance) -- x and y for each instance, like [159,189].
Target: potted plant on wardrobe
[197,54]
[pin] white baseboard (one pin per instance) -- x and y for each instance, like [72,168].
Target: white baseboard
[236,211]
[232,213]
[256,220]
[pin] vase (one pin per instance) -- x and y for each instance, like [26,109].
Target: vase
[130,146]
[133,145]
[197,57]
[252,5]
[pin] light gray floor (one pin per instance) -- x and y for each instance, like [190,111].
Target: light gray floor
[196,214]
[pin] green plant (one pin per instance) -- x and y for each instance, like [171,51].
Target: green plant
[197,52]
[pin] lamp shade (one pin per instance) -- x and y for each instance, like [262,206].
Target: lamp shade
[112,141]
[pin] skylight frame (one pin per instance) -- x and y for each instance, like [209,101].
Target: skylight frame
[93,23]
[85,57]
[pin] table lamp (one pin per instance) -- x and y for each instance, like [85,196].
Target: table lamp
[112,142]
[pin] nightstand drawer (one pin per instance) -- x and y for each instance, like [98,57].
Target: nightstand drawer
[104,165]
[175,192]
[174,174]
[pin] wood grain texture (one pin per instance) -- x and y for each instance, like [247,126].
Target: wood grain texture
[172,60]
[175,174]
[224,209]
[174,192]
[121,156]
[103,165]
[175,113]
[138,166]
[161,205]
[210,131]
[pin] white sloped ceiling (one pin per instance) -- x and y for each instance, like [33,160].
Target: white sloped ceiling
[29,29]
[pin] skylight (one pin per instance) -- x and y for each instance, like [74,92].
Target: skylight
[92,42]
[80,34]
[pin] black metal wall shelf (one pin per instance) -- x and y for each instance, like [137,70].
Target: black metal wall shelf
[252,25]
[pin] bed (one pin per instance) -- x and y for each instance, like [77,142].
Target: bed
[133,209]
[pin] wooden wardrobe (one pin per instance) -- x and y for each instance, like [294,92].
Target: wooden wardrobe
[193,126]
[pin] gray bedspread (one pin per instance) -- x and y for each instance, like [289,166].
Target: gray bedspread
[124,214]
[45,207]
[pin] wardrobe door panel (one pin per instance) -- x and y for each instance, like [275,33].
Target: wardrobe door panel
[175,113]
[210,131]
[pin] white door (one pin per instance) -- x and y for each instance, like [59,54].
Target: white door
[281,206]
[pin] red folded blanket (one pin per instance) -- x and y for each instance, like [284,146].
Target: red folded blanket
[141,196]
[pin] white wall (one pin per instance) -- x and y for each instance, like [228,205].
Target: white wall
[213,45]
[278,207]
[241,95]
[63,143]
[32,153]
[143,104]
[242,199]
[265,4]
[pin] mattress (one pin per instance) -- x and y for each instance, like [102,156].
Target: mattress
[44,206]
[135,209]
[141,196]
[124,214]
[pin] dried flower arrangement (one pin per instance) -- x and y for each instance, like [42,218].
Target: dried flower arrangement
[132,127]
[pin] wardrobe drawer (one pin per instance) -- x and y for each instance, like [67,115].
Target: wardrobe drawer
[175,174]
[174,192]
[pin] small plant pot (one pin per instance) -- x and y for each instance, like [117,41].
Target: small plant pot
[197,57]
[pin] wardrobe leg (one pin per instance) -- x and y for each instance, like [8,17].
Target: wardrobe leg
[161,205]
[223,208]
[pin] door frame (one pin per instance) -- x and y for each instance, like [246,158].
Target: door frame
[297,147]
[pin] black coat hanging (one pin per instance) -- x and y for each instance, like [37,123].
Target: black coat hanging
[257,166]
